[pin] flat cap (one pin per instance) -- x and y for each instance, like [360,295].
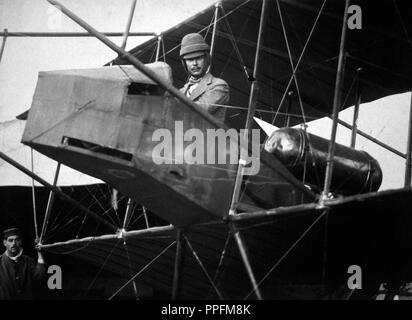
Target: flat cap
[11,232]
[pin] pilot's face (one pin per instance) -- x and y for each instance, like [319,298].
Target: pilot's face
[13,245]
[197,66]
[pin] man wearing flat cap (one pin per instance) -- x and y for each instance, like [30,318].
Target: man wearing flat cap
[18,271]
[202,87]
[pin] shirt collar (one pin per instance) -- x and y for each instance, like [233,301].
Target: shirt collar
[16,256]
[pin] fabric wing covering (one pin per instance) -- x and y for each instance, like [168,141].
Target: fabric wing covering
[382,48]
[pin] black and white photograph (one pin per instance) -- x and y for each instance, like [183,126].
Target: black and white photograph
[205,154]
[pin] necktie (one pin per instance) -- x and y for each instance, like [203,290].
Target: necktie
[192,83]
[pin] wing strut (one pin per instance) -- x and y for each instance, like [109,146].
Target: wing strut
[128,214]
[408,165]
[336,105]
[159,44]
[49,205]
[212,45]
[33,194]
[180,253]
[370,138]
[3,45]
[242,162]
[129,23]
[356,108]
[250,113]
[246,262]
[72,34]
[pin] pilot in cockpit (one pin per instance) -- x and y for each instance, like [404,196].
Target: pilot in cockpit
[209,92]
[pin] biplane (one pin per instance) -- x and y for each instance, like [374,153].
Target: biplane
[292,230]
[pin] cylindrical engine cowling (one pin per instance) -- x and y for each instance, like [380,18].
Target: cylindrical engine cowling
[354,171]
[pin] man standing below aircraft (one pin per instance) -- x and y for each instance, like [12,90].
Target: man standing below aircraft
[17,271]
[202,87]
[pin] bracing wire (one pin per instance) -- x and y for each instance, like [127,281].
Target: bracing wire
[234,43]
[81,227]
[55,224]
[300,57]
[143,269]
[153,54]
[287,253]
[103,265]
[222,17]
[403,24]
[129,263]
[59,217]
[209,26]
[325,247]
[222,256]
[106,211]
[295,115]
[203,268]
[137,218]
[291,63]
[254,225]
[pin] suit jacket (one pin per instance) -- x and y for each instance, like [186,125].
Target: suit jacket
[209,91]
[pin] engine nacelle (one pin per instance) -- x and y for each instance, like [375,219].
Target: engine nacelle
[306,154]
